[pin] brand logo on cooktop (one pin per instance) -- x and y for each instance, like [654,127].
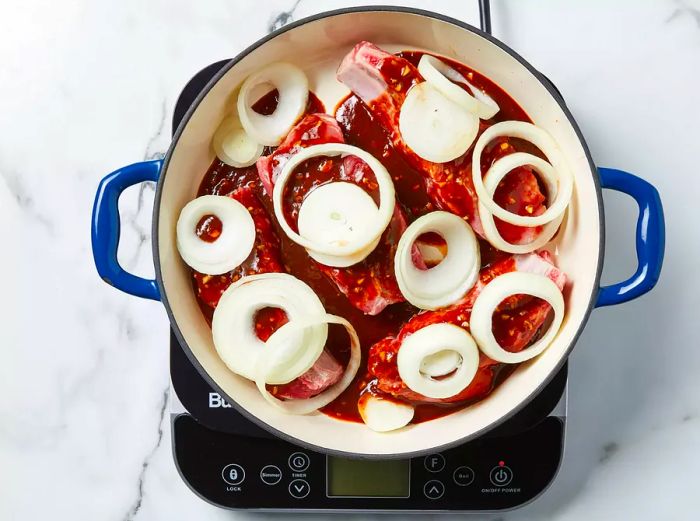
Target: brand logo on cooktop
[216,401]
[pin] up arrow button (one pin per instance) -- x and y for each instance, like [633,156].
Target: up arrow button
[434,489]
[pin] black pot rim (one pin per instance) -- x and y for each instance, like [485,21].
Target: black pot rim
[159,191]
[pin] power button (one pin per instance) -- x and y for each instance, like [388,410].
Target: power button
[501,475]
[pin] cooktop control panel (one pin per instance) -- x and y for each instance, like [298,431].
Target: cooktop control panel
[238,471]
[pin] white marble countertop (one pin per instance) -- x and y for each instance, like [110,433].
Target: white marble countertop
[88,86]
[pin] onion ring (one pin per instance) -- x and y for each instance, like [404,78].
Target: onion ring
[337,212]
[491,296]
[497,241]
[444,78]
[489,224]
[447,282]
[234,333]
[387,199]
[543,141]
[441,363]
[345,260]
[233,145]
[433,339]
[293,88]
[382,415]
[308,405]
[230,249]
[432,125]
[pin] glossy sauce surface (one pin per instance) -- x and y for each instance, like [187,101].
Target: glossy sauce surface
[360,129]
[209,228]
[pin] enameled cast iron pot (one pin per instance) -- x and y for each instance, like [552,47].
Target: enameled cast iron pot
[317,44]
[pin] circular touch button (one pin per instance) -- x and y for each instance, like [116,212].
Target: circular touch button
[298,462]
[271,475]
[233,474]
[434,489]
[299,488]
[501,475]
[434,462]
[463,476]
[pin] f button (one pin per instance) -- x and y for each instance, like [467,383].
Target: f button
[434,462]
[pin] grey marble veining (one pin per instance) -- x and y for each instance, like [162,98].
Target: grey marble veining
[86,87]
[282,18]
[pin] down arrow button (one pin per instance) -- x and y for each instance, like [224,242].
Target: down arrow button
[299,488]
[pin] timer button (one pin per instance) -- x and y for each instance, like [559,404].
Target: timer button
[271,475]
[501,475]
[434,489]
[299,462]
[463,476]
[299,488]
[434,462]
[233,474]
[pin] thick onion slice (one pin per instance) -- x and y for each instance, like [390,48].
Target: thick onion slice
[230,249]
[497,241]
[440,363]
[273,355]
[233,145]
[447,282]
[293,88]
[233,327]
[556,174]
[431,255]
[428,341]
[382,415]
[338,212]
[444,78]
[343,261]
[432,125]
[370,229]
[491,181]
[502,287]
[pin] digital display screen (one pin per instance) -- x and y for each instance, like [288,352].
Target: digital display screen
[363,478]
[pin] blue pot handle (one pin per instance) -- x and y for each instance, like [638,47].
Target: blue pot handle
[650,237]
[106,228]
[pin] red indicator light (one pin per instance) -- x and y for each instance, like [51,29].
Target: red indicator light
[501,463]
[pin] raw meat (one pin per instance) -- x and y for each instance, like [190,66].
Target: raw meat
[313,129]
[369,285]
[516,322]
[381,80]
[324,373]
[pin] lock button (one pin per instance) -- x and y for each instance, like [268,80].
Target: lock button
[233,474]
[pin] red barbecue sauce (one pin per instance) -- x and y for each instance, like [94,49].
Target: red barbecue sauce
[360,130]
[209,228]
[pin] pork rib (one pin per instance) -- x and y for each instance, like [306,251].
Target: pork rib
[369,285]
[516,322]
[381,80]
[313,129]
[325,372]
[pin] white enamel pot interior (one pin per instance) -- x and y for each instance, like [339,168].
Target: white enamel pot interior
[317,45]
